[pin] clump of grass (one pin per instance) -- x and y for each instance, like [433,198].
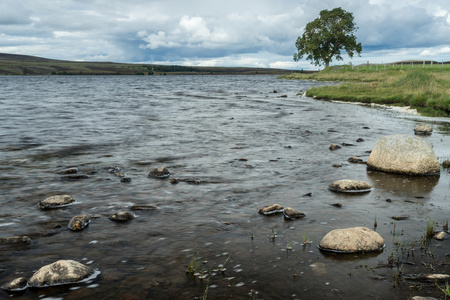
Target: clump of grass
[445,290]
[446,164]
[288,247]
[445,226]
[222,266]
[430,229]
[193,264]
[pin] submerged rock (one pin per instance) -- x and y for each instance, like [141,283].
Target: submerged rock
[121,216]
[15,240]
[16,285]
[350,186]
[72,170]
[161,172]
[60,272]
[291,214]
[403,154]
[355,160]
[143,207]
[423,129]
[78,223]
[56,201]
[334,147]
[352,240]
[271,209]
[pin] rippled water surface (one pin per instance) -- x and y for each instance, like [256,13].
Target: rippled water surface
[235,146]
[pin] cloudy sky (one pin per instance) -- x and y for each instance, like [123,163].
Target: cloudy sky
[255,33]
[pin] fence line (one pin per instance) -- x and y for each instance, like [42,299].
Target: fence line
[398,65]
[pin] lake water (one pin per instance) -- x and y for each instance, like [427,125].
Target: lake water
[235,146]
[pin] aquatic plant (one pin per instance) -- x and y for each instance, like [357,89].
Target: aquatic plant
[445,226]
[222,266]
[205,293]
[288,247]
[445,290]
[193,264]
[430,229]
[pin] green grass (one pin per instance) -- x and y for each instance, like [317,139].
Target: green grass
[426,89]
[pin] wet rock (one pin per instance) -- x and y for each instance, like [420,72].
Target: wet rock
[143,207]
[78,223]
[18,284]
[403,154]
[76,177]
[334,147]
[161,172]
[352,240]
[307,195]
[446,164]
[338,205]
[355,160]
[347,145]
[271,209]
[174,181]
[12,240]
[337,166]
[440,236]
[69,171]
[399,218]
[426,277]
[56,201]
[292,214]
[122,216]
[125,179]
[423,129]
[349,186]
[360,140]
[60,272]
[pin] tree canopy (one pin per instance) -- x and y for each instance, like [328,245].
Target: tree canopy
[326,36]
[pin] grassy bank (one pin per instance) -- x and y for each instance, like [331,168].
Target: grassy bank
[426,89]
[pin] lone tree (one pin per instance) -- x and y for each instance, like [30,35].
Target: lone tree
[324,37]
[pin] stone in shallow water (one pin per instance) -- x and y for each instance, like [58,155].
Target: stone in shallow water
[15,240]
[18,284]
[56,201]
[121,216]
[78,223]
[440,236]
[352,240]
[271,209]
[423,129]
[143,207]
[403,154]
[60,272]
[161,172]
[349,186]
[291,214]
[334,147]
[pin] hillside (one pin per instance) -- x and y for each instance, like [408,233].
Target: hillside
[13,64]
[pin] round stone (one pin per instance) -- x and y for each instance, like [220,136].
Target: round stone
[352,240]
[403,154]
[291,214]
[423,129]
[161,172]
[271,209]
[350,186]
[60,272]
[18,284]
[121,216]
[56,201]
[78,223]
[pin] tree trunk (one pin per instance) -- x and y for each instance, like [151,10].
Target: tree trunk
[327,64]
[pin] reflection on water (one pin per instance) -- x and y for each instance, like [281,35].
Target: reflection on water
[403,185]
[234,145]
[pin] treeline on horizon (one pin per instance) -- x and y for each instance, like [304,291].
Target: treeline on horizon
[14,64]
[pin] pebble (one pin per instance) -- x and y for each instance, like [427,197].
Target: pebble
[271,209]
[122,216]
[56,201]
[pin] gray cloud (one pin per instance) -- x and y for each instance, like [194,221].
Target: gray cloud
[199,32]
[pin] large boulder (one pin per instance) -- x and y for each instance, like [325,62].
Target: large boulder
[60,272]
[403,154]
[352,240]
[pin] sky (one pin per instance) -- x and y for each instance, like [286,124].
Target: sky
[250,33]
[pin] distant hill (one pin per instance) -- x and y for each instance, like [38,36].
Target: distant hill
[14,64]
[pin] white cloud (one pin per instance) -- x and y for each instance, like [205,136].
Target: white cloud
[227,33]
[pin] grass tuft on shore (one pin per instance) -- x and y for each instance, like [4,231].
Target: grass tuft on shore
[425,89]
